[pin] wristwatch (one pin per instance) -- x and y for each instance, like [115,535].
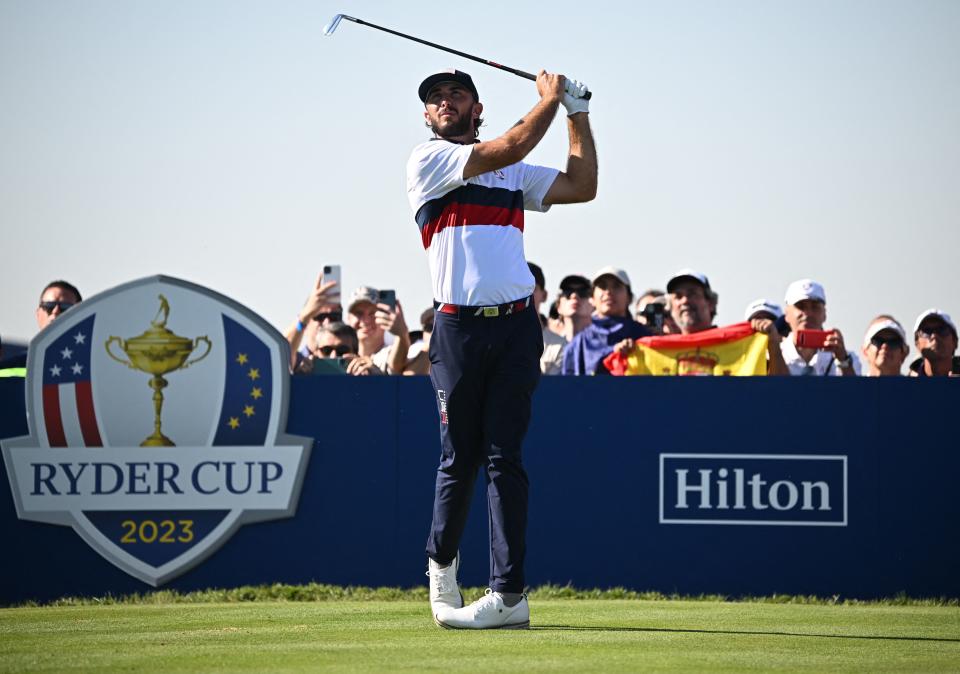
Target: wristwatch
[846,362]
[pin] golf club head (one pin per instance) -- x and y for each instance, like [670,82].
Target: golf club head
[332,26]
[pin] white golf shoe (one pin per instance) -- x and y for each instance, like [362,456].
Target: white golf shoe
[444,591]
[488,612]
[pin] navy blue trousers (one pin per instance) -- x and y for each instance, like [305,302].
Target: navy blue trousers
[484,372]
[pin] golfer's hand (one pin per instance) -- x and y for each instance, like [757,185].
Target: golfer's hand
[573,97]
[550,86]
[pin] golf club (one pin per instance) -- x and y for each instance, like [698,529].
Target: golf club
[335,21]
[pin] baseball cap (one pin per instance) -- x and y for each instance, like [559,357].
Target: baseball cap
[619,274]
[945,317]
[757,306]
[448,75]
[805,289]
[881,325]
[688,274]
[363,294]
[573,281]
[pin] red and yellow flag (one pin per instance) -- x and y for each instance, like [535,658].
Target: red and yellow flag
[734,350]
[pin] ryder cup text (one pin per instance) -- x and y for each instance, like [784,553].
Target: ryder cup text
[160,477]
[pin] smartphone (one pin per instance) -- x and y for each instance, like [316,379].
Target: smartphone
[812,339]
[389,297]
[325,366]
[331,272]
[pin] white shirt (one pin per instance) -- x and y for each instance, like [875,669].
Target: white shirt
[472,229]
[822,364]
[552,359]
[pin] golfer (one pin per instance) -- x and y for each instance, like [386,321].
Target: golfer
[469,197]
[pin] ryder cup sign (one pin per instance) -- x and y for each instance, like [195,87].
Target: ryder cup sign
[157,413]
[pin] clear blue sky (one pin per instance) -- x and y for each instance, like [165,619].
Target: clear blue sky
[233,145]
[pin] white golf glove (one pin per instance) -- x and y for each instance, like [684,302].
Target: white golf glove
[573,97]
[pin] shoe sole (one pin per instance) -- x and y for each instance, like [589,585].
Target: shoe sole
[440,624]
[510,626]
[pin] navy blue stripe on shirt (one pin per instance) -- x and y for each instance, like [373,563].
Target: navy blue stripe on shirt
[473,195]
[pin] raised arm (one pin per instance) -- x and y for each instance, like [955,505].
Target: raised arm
[514,145]
[579,182]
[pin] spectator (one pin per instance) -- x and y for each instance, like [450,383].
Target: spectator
[574,307]
[14,366]
[884,347]
[653,311]
[554,322]
[763,309]
[539,290]
[806,309]
[321,308]
[935,335]
[373,320]
[573,311]
[611,324]
[57,297]
[553,344]
[335,352]
[693,304]
[693,307]
[418,356]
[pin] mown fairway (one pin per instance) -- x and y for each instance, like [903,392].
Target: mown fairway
[566,635]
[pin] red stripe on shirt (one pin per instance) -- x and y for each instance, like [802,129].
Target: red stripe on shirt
[461,215]
[88,417]
[51,416]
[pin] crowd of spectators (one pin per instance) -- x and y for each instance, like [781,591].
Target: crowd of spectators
[588,319]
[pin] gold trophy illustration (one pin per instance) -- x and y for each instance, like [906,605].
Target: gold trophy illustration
[158,351]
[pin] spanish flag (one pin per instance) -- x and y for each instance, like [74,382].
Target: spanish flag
[734,350]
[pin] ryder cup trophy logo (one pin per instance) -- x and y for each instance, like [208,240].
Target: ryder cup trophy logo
[207,375]
[158,352]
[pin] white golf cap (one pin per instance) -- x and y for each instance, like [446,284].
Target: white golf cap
[881,325]
[692,274]
[619,274]
[942,315]
[361,295]
[762,305]
[805,289]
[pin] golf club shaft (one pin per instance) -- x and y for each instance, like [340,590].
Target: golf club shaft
[492,64]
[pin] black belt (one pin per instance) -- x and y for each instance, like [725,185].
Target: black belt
[493,311]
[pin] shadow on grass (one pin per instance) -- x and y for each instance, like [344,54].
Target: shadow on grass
[599,628]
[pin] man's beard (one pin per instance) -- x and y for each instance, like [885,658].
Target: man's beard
[461,127]
[689,318]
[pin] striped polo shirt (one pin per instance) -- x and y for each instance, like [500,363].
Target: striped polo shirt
[472,229]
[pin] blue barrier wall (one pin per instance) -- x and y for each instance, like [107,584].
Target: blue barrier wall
[594,459]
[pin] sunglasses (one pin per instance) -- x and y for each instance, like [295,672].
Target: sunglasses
[340,349]
[582,293]
[330,315]
[50,306]
[939,331]
[893,342]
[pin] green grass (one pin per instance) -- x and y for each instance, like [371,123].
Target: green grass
[567,635]
[325,592]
